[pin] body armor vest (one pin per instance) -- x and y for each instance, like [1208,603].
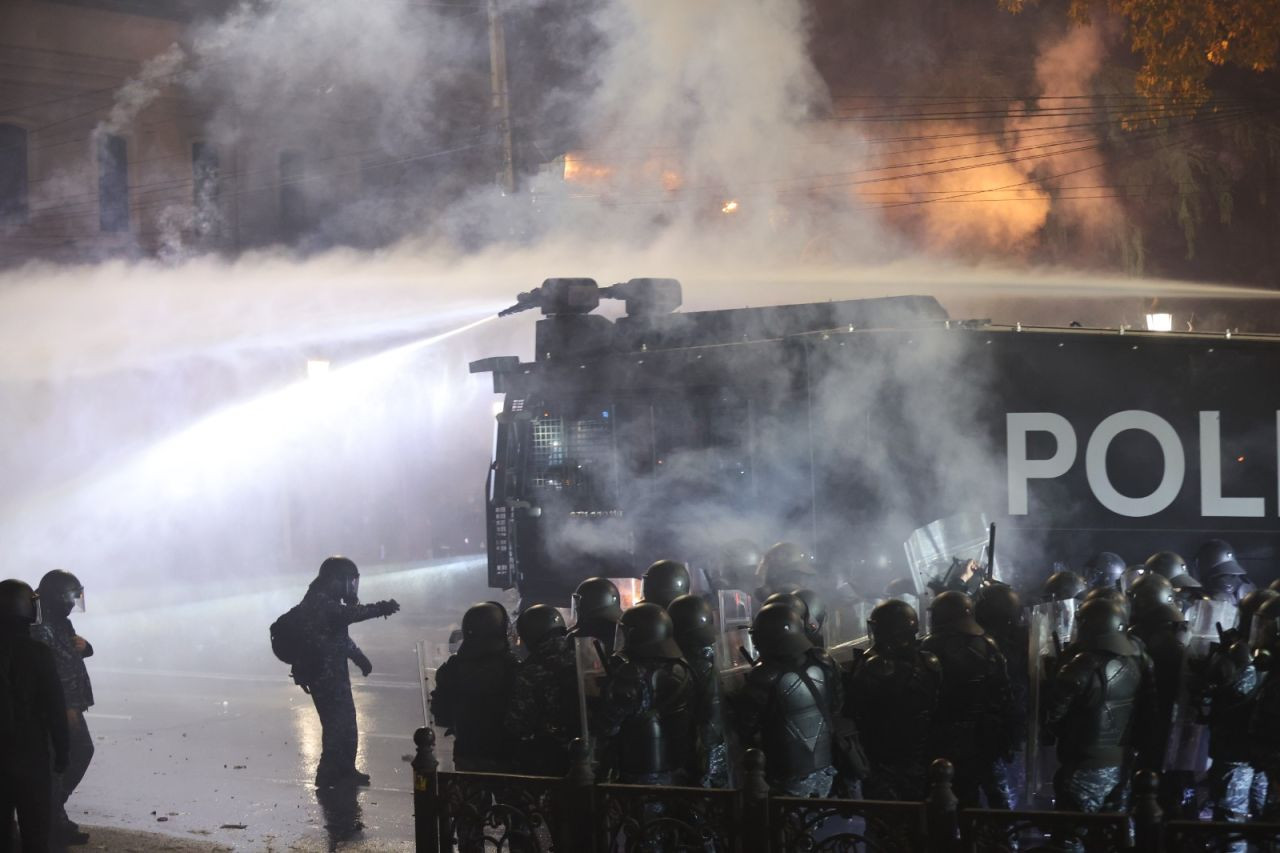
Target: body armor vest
[796,736]
[1099,728]
[660,740]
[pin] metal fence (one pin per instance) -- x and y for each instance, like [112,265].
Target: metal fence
[502,813]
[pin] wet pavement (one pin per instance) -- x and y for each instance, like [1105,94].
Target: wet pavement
[201,734]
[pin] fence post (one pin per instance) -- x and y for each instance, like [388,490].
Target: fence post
[426,801]
[1148,817]
[755,804]
[580,802]
[941,808]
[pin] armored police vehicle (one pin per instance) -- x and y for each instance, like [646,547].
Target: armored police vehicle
[846,426]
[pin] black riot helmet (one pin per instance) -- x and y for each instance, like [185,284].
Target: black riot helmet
[790,599]
[664,582]
[1111,594]
[597,599]
[1174,568]
[899,587]
[1217,557]
[538,623]
[738,560]
[485,627]
[340,578]
[1265,635]
[1100,625]
[1249,606]
[1104,569]
[1149,592]
[997,608]
[1064,586]
[1274,586]
[778,632]
[647,632]
[815,613]
[694,621]
[952,613]
[786,563]
[893,625]
[19,603]
[60,593]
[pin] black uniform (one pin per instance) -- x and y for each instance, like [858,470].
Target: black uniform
[892,698]
[33,719]
[542,716]
[1264,737]
[470,700]
[59,635]
[646,712]
[325,675]
[1164,638]
[1230,683]
[1100,703]
[786,707]
[973,727]
[709,767]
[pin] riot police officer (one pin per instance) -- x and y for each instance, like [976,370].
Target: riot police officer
[60,593]
[1228,685]
[35,723]
[1173,568]
[1104,569]
[1223,577]
[1101,705]
[998,609]
[542,715]
[330,607]
[815,615]
[1112,594]
[597,607]
[787,705]
[892,697]
[647,706]
[1149,593]
[1264,722]
[974,723]
[473,688]
[784,567]
[1164,634]
[664,582]
[694,627]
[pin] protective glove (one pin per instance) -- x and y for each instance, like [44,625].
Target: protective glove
[365,666]
[388,607]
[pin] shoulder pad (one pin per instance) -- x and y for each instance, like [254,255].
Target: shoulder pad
[930,662]
[1078,669]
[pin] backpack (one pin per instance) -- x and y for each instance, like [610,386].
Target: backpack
[291,642]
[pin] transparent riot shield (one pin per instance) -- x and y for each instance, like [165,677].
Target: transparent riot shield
[1050,629]
[1205,621]
[590,663]
[932,548]
[734,648]
[846,630]
[628,591]
[1188,747]
[431,656]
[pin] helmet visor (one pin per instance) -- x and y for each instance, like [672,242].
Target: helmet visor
[77,601]
[35,602]
[351,591]
[619,639]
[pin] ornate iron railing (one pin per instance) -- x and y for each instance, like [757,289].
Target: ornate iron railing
[499,813]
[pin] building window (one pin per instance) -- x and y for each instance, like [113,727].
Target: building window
[113,183]
[13,174]
[292,202]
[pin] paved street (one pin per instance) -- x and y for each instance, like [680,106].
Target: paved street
[200,733]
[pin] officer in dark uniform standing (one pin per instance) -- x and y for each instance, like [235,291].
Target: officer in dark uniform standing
[1101,704]
[664,582]
[1229,684]
[598,607]
[787,705]
[1264,723]
[1163,632]
[542,717]
[973,726]
[695,632]
[60,593]
[647,706]
[331,606]
[998,609]
[473,689]
[33,722]
[892,698]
